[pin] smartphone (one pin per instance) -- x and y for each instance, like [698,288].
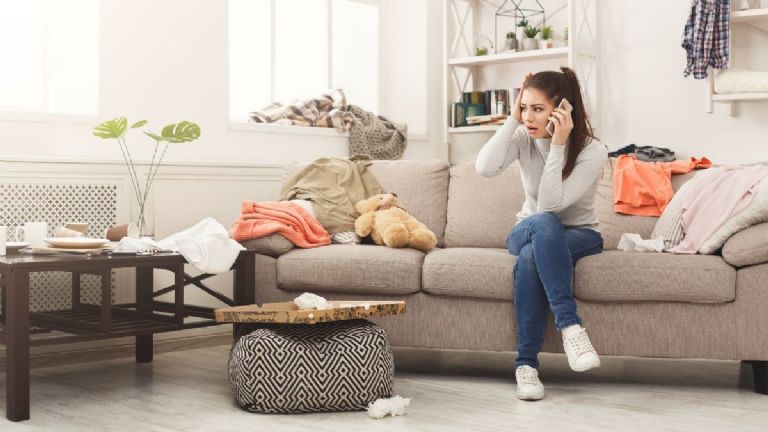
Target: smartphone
[564,104]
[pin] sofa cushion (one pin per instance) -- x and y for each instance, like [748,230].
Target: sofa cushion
[470,272]
[352,269]
[482,210]
[637,276]
[421,186]
[747,247]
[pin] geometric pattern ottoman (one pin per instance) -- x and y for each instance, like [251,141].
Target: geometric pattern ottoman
[301,368]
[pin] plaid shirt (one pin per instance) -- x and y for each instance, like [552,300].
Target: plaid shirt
[705,37]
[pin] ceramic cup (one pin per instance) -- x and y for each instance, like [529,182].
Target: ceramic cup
[116,233]
[3,235]
[34,233]
[79,227]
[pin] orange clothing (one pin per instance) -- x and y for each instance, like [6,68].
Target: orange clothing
[260,219]
[645,188]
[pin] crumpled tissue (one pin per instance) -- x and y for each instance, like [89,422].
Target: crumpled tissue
[633,242]
[394,406]
[312,301]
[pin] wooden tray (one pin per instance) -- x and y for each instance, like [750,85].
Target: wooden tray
[289,313]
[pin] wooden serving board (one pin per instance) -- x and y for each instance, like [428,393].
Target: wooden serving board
[289,313]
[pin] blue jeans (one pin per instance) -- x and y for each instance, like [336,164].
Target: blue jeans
[546,253]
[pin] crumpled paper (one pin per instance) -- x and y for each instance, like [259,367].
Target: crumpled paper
[633,242]
[394,406]
[132,245]
[312,301]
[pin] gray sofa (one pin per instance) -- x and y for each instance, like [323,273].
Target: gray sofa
[460,295]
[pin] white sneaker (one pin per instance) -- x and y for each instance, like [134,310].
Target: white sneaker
[581,355]
[529,387]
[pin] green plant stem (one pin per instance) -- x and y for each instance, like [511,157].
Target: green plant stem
[151,175]
[131,170]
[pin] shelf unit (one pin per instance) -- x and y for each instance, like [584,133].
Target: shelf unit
[750,18]
[463,23]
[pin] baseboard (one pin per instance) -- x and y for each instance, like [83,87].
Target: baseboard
[58,355]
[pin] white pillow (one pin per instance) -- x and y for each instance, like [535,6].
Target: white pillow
[756,212]
[741,81]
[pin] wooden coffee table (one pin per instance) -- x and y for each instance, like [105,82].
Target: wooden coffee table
[90,322]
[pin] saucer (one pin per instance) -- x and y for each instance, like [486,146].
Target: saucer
[76,242]
[16,245]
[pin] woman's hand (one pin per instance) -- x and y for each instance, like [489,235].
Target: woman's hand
[516,110]
[563,126]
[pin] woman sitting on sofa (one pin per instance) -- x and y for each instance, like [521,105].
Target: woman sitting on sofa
[557,224]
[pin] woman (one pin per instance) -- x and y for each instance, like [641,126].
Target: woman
[557,224]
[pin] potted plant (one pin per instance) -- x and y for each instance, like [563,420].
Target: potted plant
[521,25]
[173,133]
[546,37]
[565,36]
[510,43]
[530,42]
[482,45]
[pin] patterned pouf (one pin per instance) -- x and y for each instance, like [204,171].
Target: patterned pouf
[298,368]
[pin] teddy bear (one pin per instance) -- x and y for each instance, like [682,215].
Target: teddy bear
[388,224]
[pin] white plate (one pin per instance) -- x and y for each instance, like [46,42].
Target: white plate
[76,242]
[16,245]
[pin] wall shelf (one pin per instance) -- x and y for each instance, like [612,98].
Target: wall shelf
[749,18]
[730,97]
[750,15]
[510,57]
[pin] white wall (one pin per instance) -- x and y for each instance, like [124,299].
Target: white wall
[647,101]
[167,61]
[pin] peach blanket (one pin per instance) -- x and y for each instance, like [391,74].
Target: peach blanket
[260,219]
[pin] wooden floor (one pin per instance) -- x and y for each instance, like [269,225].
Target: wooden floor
[188,391]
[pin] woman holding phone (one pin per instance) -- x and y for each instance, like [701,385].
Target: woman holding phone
[557,224]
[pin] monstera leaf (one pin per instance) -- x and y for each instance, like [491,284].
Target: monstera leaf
[114,128]
[177,133]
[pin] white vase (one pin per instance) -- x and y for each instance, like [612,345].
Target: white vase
[545,43]
[530,44]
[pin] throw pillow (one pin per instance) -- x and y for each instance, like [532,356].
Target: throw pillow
[273,245]
[747,247]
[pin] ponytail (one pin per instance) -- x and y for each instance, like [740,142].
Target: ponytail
[565,84]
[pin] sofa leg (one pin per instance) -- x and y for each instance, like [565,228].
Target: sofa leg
[759,375]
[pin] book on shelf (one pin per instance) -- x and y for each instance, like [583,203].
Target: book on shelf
[488,119]
[460,111]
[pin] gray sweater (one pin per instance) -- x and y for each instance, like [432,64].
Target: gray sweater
[541,166]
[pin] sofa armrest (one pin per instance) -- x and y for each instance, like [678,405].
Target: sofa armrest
[747,247]
[272,245]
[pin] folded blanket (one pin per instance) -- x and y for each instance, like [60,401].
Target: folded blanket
[260,219]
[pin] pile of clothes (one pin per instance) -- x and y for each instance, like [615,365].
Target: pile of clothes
[369,134]
[316,207]
[708,209]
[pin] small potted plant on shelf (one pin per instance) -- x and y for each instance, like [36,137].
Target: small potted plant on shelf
[482,45]
[521,25]
[510,44]
[530,42]
[546,37]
